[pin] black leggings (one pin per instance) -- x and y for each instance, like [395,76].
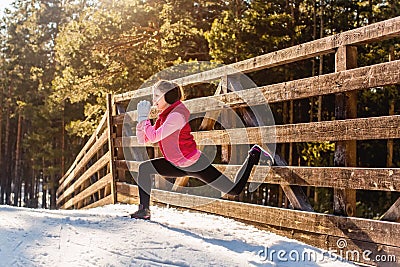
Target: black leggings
[202,170]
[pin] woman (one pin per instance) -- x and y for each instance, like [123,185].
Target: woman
[181,156]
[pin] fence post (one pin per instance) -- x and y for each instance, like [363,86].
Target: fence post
[110,129]
[344,200]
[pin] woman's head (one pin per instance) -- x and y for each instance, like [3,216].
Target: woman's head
[166,93]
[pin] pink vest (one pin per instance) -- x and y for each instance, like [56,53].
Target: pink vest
[179,145]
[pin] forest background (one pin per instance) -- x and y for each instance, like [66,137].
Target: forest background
[59,59]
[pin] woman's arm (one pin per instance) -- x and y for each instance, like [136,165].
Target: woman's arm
[145,132]
[141,136]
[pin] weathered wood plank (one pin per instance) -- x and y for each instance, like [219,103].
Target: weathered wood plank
[384,179]
[393,213]
[297,198]
[102,202]
[377,31]
[90,190]
[352,129]
[85,148]
[86,175]
[180,183]
[110,127]
[337,177]
[347,227]
[293,193]
[83,162]
[128,165]
[127,199]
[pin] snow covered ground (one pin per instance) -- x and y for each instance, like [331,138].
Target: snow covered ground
[103,237]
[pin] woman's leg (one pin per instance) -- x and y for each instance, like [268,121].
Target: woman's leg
[244,172]
[204,171]
[207,173]
[147,169]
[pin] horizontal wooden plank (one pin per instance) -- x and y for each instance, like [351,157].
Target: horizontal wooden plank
[103,161]
[102,202]
[131,116]
[377,31]
[127,189]
[384,179]
[347,227]
[86,147]
[90,190]
[127,199]
[127,165]
[385,127]
[92,151]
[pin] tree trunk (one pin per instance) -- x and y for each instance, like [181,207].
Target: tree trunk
[63,142]
[2,177]
[30,197]
[17,171]
[44,195]
[44,186]
[36,189]
[7,154]
[27,188]
[53,192]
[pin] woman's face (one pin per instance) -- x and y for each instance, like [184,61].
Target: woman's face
[159,100]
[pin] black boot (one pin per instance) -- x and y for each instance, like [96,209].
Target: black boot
[266,159]
[244,172]
[141,213]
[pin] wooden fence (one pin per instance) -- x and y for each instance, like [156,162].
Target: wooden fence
[101,175]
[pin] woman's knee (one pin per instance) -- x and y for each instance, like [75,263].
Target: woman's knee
[146,167]
[143,179]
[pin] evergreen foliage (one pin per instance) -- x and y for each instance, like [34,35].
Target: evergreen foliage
[59,59]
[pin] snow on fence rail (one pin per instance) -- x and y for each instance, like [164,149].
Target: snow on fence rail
[99,173]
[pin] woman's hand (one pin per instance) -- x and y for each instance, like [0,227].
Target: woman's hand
[143,110]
